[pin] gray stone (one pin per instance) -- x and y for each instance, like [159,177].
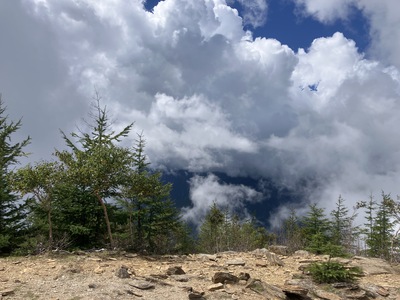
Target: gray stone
[223,277]
[176,270]
[180,278]
[296,291]
[123,272]
[141,284]
[206,257]
[326,295]
[372,266]
[235,262]
[260,252]
[214,287]
[274,259]
[302,253]
[267,290]
[196,294]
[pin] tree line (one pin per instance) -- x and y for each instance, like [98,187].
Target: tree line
[99,193]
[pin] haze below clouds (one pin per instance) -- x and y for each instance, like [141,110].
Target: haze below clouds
[209,97]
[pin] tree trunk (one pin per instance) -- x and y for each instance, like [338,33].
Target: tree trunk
[103,205]
[50,229]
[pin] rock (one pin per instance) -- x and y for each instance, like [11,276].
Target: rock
[274,259]
[341,260]
[280,250]
[373,266]
[159,276]
[214,287]
[326,295]
[375,290]
[193,294]
[177,270]
[262,264]
[291,290]
[260,252]
[302,253]
[142,285]
[244,276]
[123,272]
[92,286]
[205,257]
[235,262]
[6,292]
[223,277]
[267,290]
[134,293]
[360,294]
[180,278]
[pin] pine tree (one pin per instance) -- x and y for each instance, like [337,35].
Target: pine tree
[11,215]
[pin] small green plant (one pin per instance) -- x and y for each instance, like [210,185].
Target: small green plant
[330,272]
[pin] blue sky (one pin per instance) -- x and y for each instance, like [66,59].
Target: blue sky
[219,93]
[286,23]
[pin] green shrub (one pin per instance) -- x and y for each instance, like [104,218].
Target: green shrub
[330,272]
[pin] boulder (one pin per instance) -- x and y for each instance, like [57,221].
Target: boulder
[372,266]
[176,270]
[223,277]
[267,290]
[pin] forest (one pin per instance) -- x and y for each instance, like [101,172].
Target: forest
[100,194]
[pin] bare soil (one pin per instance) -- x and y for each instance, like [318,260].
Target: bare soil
[85,276]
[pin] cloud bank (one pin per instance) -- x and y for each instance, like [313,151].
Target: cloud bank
[209,96]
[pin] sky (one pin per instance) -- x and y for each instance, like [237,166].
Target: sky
[303,95]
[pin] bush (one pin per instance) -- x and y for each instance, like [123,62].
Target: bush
[330,272]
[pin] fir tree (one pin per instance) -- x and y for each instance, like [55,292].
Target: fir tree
[11,216]
[96,161]
[152,216]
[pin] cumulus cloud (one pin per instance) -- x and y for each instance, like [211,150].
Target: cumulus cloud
[383,17]
[325,11]
[210,97]
[207,190]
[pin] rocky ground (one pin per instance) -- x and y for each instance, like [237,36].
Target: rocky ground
[261,274]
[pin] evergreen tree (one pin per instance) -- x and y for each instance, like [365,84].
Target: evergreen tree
[210,231]
[152,216]
[343,233]
[11,216]
[316,229]
[291,232]
[97,161]
[379,226]
[222,231]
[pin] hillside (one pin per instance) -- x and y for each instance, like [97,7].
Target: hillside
[260,274]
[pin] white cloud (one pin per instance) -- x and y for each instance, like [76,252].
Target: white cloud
[204,191]
[208,96]
[326,10]
[383,17]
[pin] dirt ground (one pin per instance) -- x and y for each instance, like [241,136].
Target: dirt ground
[97,276]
